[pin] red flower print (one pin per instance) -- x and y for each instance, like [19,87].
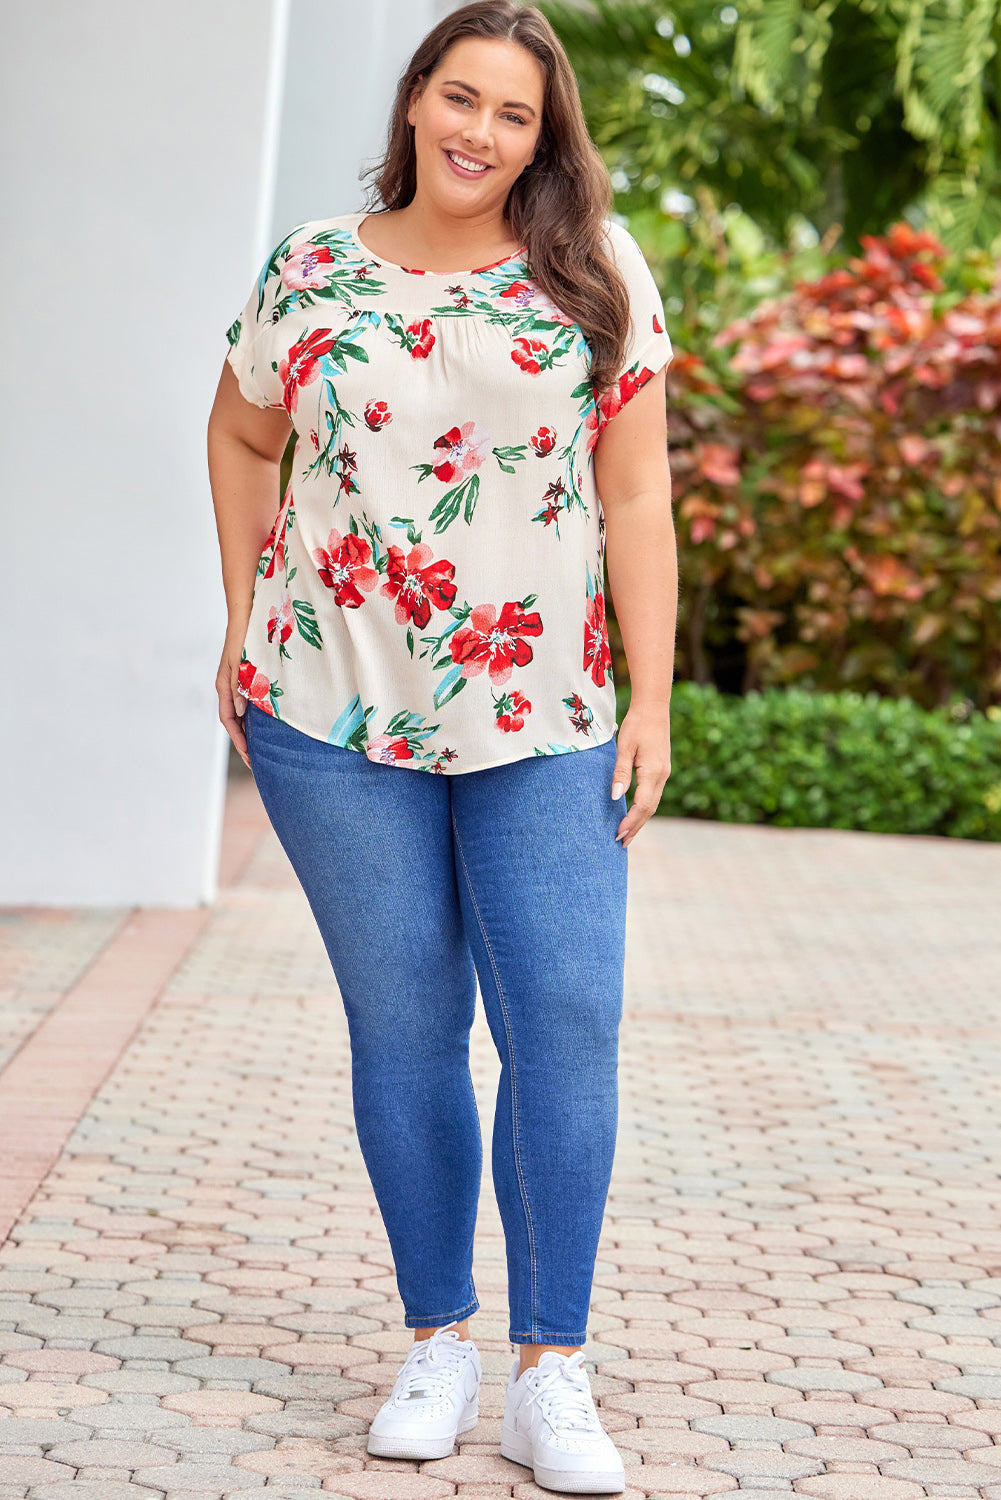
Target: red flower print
[423,338]
[658,326]
[526,294]
[342,567]
[526,355]
[255,686]
[377,414]
[495,642]
[277,558]
[280,619]
[513,710]
[581,716]
[551,506]
[544,441]
[314,440]
[344,466]
[612,401]
[597,652]
[458,451]
[302,365]
[389,749]
[416,583]
[522,290]
[592,424]
[304,268]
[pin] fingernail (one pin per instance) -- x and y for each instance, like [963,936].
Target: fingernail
[617,790]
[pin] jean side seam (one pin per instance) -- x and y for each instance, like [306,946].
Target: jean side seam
[516,1139]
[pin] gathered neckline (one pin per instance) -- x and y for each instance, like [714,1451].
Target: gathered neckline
[355,220]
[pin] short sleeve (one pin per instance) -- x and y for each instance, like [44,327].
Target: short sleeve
[648,347]
[251,339]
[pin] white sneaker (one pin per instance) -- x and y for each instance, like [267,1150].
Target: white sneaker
[436,1396]
[551,1426]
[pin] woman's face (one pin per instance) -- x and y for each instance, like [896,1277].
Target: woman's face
[481,106]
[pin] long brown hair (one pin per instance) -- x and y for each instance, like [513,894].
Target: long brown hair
[557,205]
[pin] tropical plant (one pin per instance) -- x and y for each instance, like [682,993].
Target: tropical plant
[837,473]
[839,112]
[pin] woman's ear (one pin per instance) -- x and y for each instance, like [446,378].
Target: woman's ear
[415,94]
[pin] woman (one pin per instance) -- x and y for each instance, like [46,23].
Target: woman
[430,598]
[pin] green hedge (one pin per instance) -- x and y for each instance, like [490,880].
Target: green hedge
[833,760]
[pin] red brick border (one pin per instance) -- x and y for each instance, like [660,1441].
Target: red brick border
[48,1084]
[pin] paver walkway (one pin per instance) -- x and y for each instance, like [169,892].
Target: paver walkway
[799,1282]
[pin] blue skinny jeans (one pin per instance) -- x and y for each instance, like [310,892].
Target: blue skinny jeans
[422,884]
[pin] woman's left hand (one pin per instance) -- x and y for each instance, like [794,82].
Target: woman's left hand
[644,741]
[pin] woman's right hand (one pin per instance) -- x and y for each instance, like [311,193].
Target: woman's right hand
[232,705]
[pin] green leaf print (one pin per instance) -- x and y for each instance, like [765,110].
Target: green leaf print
[512,455]
[305,619]
[330,458]
[410,640]
[462,497]
[436,643]
[453,682]
[350,728]
[344,283]
[413,535]
[371,529]
[410,726]
[347,285]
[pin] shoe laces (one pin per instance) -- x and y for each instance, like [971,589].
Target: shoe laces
[564,1396]
[429,1366]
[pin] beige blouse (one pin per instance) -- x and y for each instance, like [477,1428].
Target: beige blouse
[432,591]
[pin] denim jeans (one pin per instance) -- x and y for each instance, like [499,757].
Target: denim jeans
[422,883]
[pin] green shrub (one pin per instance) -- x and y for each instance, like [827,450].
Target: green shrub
[837,483]
[797,759]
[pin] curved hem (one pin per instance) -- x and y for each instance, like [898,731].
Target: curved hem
[404,765]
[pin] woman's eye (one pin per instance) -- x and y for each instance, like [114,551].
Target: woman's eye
[461,99]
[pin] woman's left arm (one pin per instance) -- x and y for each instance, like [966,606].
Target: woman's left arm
[633,479]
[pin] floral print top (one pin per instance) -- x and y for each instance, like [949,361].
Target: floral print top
[432,591]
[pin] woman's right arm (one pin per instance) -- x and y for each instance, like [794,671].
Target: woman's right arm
[245,447]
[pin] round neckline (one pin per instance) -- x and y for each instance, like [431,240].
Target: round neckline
[356,219]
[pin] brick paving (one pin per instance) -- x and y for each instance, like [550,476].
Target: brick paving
[799,1282]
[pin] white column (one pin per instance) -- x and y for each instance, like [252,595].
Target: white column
[135,201]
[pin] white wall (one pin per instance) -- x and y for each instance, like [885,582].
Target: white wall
[131,204]
[344,62]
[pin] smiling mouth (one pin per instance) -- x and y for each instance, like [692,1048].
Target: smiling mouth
[466,163]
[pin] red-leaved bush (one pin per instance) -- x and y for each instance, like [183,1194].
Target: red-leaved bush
[839,477]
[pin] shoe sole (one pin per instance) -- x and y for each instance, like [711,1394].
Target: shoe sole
[422,1448]
[518,1449]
